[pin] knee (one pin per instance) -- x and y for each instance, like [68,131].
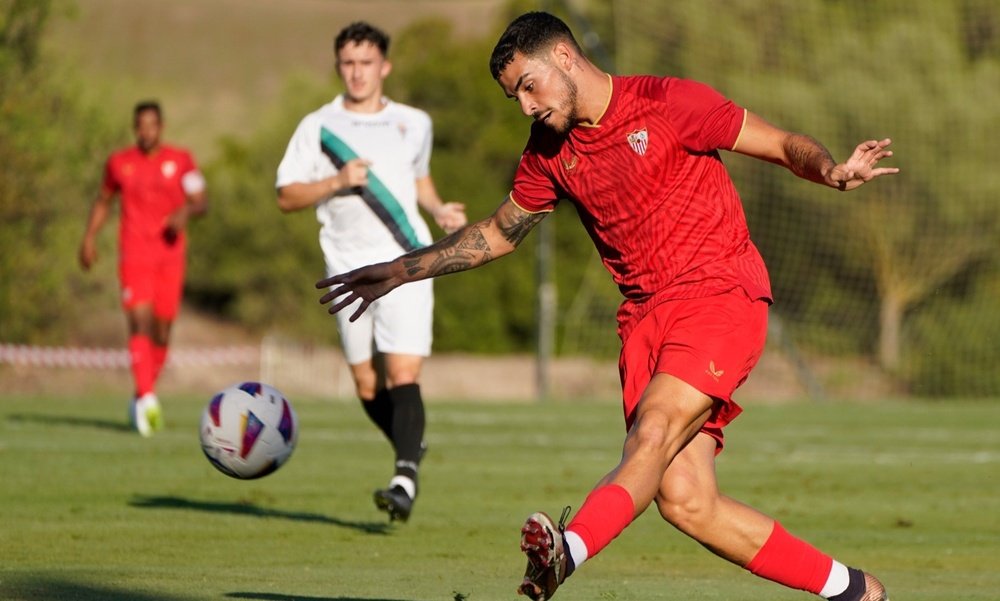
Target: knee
[687,507]
[653,433]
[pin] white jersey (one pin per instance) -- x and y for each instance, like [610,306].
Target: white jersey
[382,220]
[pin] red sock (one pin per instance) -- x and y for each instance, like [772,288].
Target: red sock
[605,513]
[159,359]
[791,561]
[140,350]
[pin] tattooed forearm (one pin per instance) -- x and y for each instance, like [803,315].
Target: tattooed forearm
[515,225]
[807,158]
[461,250]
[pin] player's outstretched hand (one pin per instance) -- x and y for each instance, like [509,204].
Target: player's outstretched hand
[862,165]
[365,283]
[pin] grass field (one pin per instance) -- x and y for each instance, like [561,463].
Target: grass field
[92,512]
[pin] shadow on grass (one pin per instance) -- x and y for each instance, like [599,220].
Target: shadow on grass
[45,588]
[249,509]
[69,420]
[280,597]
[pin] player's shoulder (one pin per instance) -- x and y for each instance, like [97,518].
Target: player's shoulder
[652,86]
[408,113]
[123,154]
[172,150]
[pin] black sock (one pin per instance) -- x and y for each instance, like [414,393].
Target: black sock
[407,428]
[379,410]
[855,587]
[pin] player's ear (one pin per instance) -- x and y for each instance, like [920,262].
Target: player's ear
[386,69]
[563,56]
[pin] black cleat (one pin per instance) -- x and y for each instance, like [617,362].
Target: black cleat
[395,502]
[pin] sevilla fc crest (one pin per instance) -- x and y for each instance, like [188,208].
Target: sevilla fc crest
[168,168]
[638,140]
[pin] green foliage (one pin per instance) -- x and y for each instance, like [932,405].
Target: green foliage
[49,166]
[248,262]
[958,328]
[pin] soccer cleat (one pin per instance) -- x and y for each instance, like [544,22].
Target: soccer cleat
[874,591]
[145,414]
[154,414]
[542,543]
[395,502]
[137,418]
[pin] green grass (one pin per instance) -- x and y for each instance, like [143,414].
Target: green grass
[90,511]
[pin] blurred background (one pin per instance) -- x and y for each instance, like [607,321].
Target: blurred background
[891,291]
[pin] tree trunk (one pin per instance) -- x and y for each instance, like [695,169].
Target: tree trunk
[890,328]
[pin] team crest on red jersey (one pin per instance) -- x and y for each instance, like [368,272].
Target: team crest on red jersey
[638,140]
[168,168]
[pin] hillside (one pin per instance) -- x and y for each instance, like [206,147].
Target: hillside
[217,65]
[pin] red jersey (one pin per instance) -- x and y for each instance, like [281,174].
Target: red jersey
[150,187]
[652,191]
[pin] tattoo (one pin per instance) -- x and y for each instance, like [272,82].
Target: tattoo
[464,249]
[520,223]
[808,157]
[412,266]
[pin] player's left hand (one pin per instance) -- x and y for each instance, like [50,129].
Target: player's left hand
[175,223]
[365,283]
[861,166]
[450,216]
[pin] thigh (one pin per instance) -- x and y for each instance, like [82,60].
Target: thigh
[356,336]
[137,281]
[710,343]
[404,320]
[169,286]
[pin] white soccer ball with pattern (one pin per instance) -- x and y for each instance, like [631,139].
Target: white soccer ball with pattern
[249,430]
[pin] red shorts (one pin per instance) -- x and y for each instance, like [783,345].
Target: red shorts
[711,343]
[157,280]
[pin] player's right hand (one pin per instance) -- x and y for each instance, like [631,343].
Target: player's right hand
[354,174]
[87,254]
[365,284]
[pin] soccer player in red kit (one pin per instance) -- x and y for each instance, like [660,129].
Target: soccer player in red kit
[160,188]
[638,157]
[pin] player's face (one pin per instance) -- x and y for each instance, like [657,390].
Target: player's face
[544,92]
[147,130]
[362,68]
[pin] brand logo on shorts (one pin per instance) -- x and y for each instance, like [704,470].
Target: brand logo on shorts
[715,373]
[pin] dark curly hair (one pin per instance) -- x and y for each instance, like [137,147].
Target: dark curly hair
[529,34]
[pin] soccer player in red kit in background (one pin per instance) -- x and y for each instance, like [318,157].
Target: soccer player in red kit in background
[160,188]
[638,157]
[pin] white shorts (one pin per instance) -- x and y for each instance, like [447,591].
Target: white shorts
[400,322]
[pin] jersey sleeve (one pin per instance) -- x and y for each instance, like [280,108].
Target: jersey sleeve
[109,182]
[704,119]
[534,190]
[422,162]
[299,163]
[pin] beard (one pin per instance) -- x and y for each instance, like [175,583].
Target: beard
[567,106]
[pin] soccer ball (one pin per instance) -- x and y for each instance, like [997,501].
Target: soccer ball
[248,430]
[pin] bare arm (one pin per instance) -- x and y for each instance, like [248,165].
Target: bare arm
[808,159]
[474,245]
[301,195]
[99,212]
[448,215]
[195,205]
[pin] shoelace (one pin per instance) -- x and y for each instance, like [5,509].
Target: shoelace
[562,519]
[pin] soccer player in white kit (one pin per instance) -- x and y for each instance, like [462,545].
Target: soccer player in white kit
[363,162]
